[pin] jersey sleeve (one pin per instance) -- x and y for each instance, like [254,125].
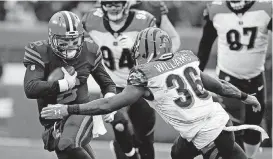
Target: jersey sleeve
[146,18]
[92,19]
[137,78]
[94,51]
[35,54]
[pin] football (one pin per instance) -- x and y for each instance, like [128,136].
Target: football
[58,74]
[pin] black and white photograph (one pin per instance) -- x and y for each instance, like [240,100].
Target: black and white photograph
[136,79]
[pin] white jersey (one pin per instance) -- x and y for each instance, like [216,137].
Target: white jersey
[242,38]
[117,61]
[177,94]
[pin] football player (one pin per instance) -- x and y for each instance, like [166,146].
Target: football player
[174,86]
[114,27]
[160,10]
[66,46]
[242,29]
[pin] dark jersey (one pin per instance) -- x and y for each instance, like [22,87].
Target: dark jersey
[40,61]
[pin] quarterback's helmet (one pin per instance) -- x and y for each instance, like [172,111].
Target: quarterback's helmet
[151,44]
[239,5]
[65,34]
[115,10]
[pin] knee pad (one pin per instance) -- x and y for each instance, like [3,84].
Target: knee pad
[120,122]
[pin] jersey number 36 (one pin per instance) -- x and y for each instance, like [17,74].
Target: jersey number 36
[186,99]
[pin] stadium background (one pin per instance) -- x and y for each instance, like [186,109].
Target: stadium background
[23,22]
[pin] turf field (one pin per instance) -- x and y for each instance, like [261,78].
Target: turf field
[11,148]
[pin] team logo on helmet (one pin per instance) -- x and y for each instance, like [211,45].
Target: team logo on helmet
[65,34]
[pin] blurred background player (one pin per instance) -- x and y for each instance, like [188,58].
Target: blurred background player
[114,27]
[66,46]
[242,28]
[160,10]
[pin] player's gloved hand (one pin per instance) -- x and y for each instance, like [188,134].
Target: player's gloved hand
[54,111]
[68,82]
[108,118]
[125,42]
[252,100]
[163,8]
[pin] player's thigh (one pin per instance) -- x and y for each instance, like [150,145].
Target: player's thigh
[142,117]
[77,132]
[259,88]
[183,149]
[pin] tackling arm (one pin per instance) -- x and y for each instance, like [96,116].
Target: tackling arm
[221,87]
[206,42]
[107,105]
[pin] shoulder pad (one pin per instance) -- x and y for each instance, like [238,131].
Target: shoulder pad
[146,17]
[216,7]
[93,20]
[36,53]
[93,52]
[137,77]
[263,5]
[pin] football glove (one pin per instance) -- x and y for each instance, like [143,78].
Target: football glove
[68,82]
[125,42]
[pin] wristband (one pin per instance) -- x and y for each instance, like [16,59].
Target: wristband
[73,109]
[243,96]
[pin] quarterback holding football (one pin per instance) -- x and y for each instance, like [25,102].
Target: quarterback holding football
[56,72]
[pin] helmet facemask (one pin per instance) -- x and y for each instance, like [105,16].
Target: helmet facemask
[67,46]
[239,5]
[114,10]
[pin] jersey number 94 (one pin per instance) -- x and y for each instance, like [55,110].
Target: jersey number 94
[109,61]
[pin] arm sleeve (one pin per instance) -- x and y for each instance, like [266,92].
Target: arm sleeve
[103,79]
[137,78]
[206,42]
[34,85]
[220,87]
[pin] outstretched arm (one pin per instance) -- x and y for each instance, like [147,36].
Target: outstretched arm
[226,89]
[97,107]
[221,87]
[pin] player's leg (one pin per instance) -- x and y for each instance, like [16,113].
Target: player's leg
[143,120]
[78,152]
[77,132]
[252,138]
[234,107]
[89,150]
[225,147]
[123,144]
[183,149]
